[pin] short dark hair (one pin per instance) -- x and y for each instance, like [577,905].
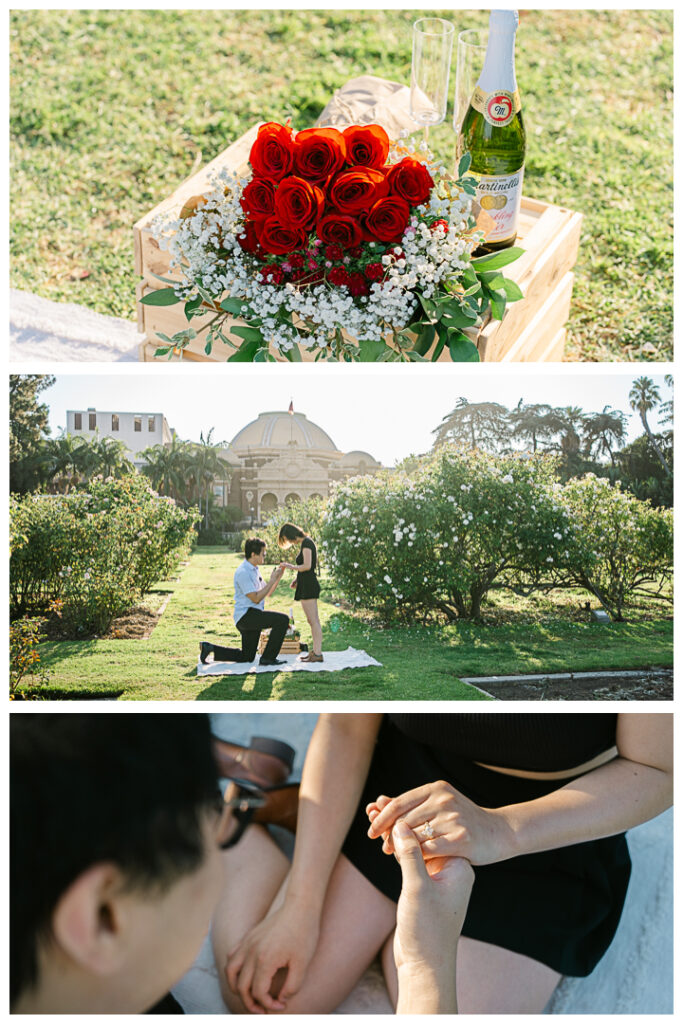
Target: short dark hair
[253,546]
[289,533]
[85,788]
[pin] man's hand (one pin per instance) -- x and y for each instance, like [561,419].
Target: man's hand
[277,574]
[430,915]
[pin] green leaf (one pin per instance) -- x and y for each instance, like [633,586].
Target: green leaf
[473,288]
[425,339]
[498,300]
[294,355]
[208,346]
[371,351]
[246,353]
[496,260]
[232,305]
[428,306]
[163,351]
[191,306]
[248,333]
[462,350]
[443,336]
[512,290]
[464,165]
[456,316]
[162,297]
[493,278]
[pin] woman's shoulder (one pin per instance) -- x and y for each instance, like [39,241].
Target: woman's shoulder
[308,542]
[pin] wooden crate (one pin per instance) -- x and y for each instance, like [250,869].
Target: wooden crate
[531,330]
[289,644]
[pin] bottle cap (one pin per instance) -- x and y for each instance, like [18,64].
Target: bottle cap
[503,21]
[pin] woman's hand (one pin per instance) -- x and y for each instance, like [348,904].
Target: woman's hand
[429,919]
[292,585]
[271,961]
[460,827]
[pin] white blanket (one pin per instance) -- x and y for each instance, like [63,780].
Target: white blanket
[41,329]
[334,662]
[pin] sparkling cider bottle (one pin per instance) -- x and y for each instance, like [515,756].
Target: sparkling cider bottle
[493,133]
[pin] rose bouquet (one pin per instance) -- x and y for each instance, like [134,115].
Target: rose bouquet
[340,243]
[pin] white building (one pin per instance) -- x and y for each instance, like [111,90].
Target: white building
[137,430]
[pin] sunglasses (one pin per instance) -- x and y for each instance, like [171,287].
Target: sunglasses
[238,805]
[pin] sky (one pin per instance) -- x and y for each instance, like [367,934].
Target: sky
[383,410]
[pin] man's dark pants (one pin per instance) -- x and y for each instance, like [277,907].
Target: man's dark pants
[250,626]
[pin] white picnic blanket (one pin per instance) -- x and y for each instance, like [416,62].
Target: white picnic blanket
[334,662]
[41,329]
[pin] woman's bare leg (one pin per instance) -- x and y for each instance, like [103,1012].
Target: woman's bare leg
[254,871]
[489,979]
[356,920]
[310,608]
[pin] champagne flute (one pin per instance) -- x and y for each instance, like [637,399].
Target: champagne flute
[471,51]
[432,48]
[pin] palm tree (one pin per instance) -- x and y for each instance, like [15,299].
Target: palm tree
[534,423]
[207,464]
[572,419]
[644,397]
[168,467]
[604,431]
[109,457]
[62,461]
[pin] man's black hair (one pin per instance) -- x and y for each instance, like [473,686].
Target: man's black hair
[253,546]
[87,788]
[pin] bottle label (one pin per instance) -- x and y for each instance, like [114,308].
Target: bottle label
[498,107]
[500,196]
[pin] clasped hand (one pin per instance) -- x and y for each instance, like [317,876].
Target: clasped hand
[458,826]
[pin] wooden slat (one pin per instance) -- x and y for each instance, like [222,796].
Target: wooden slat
[542,329]
[554,353]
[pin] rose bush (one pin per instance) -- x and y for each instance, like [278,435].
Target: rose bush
[624,545]
[442,537]
[96,551]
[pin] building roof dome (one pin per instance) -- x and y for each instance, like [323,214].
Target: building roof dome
[282,430]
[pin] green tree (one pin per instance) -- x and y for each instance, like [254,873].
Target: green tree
[168,467]
[28,425]
[644,397]
[207,464]
[483,425]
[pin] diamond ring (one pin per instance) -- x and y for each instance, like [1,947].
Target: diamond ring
[427,830]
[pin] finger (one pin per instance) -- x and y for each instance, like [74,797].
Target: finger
[261,986]
[399,807]
[409,855]
[233,967]
[452,844]
[377,805]
[244,987]
[295,977]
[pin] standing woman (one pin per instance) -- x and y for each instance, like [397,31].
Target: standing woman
[306,584]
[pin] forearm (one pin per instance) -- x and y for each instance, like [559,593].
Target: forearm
[608,800]
[426,989]
[334,773]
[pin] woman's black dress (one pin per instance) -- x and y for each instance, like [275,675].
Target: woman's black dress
[307,585]
[560,907]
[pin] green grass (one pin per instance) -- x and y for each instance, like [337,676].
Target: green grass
[419,663]
[112,109]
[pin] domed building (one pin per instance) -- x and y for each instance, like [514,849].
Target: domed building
[281,457]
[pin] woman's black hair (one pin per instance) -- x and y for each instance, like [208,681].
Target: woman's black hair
[289,533]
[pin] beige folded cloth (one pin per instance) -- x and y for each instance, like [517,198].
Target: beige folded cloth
[370,100]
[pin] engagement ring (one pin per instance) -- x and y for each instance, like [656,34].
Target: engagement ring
[427,830]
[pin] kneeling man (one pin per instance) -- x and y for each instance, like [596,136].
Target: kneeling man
[250,614]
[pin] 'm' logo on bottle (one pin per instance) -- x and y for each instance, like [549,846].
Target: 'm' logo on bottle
[498,108]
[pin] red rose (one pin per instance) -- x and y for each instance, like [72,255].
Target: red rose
[357,189]
[271,155]
[297,203]
[279,239]
[337,229]
[318,153]
[367,145]
[411,181]
[258,198]
[334,252]
[249,239]
[388,219]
